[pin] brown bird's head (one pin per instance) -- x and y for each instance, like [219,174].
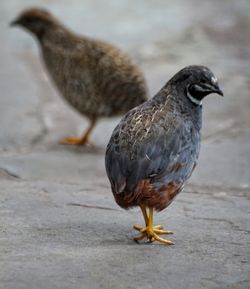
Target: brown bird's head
[35,20]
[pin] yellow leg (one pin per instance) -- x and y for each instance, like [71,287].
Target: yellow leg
[150,231]
[145,215]
[80,141]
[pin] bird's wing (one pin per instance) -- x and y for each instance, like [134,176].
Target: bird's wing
[126,166]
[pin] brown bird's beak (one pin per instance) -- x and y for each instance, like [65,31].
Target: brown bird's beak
[14,22]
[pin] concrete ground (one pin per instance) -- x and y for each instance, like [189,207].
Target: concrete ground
[60,227]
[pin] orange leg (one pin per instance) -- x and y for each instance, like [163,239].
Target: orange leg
[83,140]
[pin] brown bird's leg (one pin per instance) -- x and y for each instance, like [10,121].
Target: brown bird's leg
[151,231]
[83,140]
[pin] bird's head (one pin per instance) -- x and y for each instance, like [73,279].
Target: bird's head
[197,82]
[35,20]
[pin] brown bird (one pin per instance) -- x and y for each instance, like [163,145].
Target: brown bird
[95,77]
[155,147]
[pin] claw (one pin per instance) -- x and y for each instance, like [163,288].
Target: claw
[163,240]
[80,141]
[140,237]
[76,141]
[155,228]
[138,228]
[151,232]
[163,232]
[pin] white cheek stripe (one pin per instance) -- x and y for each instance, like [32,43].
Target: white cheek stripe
[194,100]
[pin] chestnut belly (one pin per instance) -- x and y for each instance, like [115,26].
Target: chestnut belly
[148,195]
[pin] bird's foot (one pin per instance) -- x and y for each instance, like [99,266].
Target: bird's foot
[151,232]
[76,141]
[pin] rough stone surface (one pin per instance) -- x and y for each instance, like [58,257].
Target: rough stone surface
[60,227]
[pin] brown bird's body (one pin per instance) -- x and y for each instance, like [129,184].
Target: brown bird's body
[95,77]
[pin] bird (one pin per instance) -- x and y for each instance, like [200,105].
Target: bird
[154,149]
[95,77]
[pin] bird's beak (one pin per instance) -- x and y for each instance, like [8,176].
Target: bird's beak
[213,88]
[216,89]
[14,22]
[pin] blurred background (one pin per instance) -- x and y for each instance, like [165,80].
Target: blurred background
[162,37]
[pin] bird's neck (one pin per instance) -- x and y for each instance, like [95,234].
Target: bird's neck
[171,99]
[58,36]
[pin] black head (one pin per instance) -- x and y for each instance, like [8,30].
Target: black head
[35,20]
[197,82]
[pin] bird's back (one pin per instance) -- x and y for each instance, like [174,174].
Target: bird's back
[95,77]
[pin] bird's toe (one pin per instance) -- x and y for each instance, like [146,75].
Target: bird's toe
[76,141]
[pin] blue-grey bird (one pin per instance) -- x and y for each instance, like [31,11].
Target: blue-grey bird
[154,149]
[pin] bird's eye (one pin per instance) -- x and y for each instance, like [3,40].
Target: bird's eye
[28,20]
[203,80]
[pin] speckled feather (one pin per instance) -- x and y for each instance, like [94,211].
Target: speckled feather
[95,77]
[155,147]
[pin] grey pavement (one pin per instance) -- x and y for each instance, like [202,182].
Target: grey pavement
[60,226]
